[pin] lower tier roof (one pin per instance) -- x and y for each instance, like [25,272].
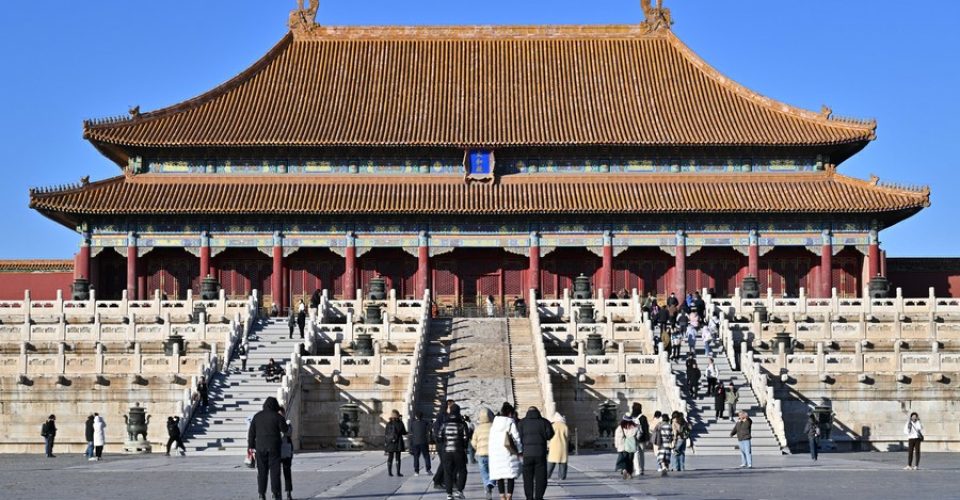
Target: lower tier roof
[165,194]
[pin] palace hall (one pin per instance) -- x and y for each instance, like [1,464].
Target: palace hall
[479,161]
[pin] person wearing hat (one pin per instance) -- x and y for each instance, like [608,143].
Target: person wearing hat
[49,432]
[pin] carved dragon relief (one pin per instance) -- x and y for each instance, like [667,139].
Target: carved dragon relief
[657,17]
[304,17]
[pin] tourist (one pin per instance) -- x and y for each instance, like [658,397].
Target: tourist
[454,441]
[480,444]
[315,300]
[914,431]
[707,336]
[733,395]
[272,371]
[292,321]
[393,441]
[420,443]
[676,342]
[692,336]
[712,376]
[204,393]
[520,307]
[286,457]
[558,448]
[663,439]
[681,434]
[742,432]
[438,479]
[672,300]
[99,436]
[699,305]
[274,310]
[471,453]
[719,400]
[663,319]
[693,381]
[812,430]
[653,442]
[535,433]
[264,437]
[49,432]
[643,437]
[88,435]
[242,350]
[648,303]
[505,448]
[301,317]
[173,435]
[625,441]
[491,306]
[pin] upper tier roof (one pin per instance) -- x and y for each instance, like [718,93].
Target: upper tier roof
[479,86]
[407,195]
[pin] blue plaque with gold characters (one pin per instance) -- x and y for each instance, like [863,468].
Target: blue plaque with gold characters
[479,165]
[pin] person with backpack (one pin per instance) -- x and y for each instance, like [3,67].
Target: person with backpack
[173,435]
[625,441]
[643,437]
[49,432]
[393,441]
[681,433]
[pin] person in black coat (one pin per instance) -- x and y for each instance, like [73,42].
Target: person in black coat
[49,433]
[302,318]
[204,393]
[453,440]
[393,441]
[535,433]
[88,435]
[420,443]
[264,437]
[173,435]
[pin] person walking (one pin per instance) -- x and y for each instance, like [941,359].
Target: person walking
[681,434]
[712,376]
[242,351]
[653,441]
[693,380]
[719,400]
[88,435]
[99,436]
[676,342]
[557,456]
[535,433]
[733,395]
[914,431]
[49,432]
[454,438]
[643,437]
[480,443]
[438,480]
[301,317]
[625,442]
[286,456]
[471,453]
[420,443]
[491,306]
[173,435]
[663,439]
[812,431]
[264,438]
[393,441]
[505,449]
[742,432]
[204,393]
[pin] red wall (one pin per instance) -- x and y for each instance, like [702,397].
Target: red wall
[916,275]
[42,286]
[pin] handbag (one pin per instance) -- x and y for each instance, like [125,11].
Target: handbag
[510,444]
[250,461]
[286,450]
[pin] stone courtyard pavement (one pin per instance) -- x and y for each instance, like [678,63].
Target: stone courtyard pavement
[362,475]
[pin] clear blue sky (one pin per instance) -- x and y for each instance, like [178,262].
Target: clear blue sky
[66,60]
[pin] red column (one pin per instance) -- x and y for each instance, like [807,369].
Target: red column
[81,268]
[423,270]
[276,279]
[131,267]
[753,256]
[204,255]
[680,266]
[873,254]
[350,269]
[142,291]
[883,262]
[606,269]
[285,297]
[826,266]
[533,272]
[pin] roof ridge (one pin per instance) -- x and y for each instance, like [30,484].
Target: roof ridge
[492,32]
[825,116]
[891,187]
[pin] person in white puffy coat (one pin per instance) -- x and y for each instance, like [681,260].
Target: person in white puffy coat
[99,436]
[505,467]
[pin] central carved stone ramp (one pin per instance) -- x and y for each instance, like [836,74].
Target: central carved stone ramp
[523,366]
[710,436]
[479,364]
[433,384]
[236,396]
